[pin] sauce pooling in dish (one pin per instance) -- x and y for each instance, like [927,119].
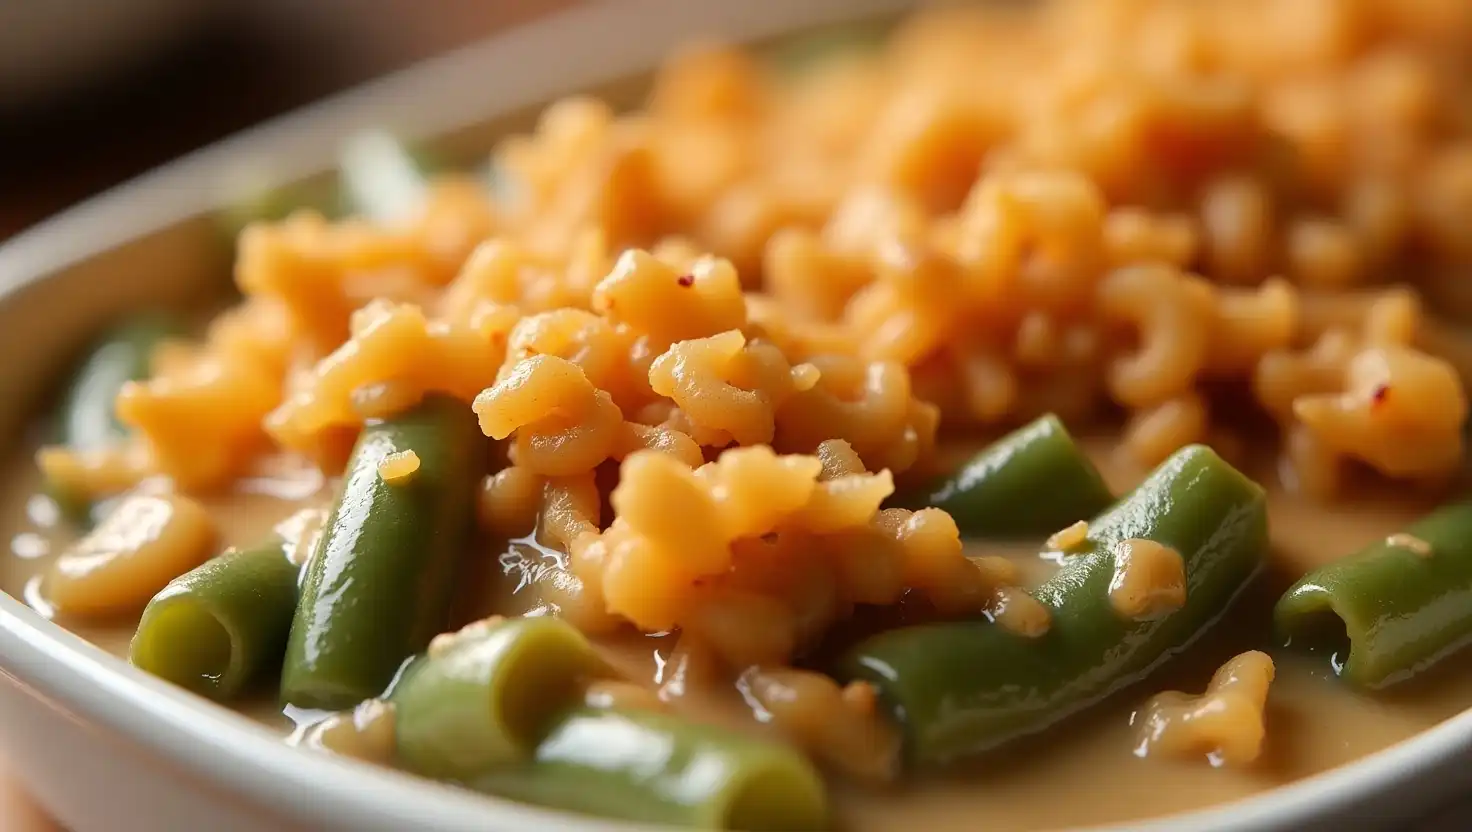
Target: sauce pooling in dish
[1304,718]
[717,466]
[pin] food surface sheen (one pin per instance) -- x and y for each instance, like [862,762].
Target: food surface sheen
[1306,713]
[1122,343]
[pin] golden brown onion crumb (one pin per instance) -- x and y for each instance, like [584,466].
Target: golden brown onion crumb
[1149,580]
[398,467]
[861,696]
[1068,538]
[839,459]
[145,542]
[1226,724]
[805,377]
[383,399]
[96,471]
[838,725]
[1014,610]
[1398,410]
[997,571]
[509,502]
[364,733]
[444,641]
[951,227]
[1154,433]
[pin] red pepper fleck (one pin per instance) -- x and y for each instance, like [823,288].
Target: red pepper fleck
[1379,394]
[686,280]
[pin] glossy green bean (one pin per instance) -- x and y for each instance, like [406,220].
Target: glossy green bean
[800,53]
[220,626]
[962,688]
[655,768]
[87,418]
[1033,481]
[253,202]
[1398,605]
[377,178]
[484,696]
[379,584]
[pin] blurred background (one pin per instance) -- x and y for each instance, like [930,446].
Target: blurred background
[93,92]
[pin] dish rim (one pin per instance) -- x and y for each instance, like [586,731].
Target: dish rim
[431,99]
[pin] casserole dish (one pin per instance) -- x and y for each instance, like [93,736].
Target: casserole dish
[107,747]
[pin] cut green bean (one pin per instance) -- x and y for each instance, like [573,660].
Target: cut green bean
[485,695]
[654,768]
[1031,482]
[1398,605]
[381,179]
[377,178]
[799,53]
[253,202]
[222,625]
[87,418]
[379,585]
[959,689]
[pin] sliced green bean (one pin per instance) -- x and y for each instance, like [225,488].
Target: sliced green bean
[222,625]
[379,585]
[377,178]
[655,768]
[1031,482]
[1398,605]
[487,695]
[264,203]
[799,53]
[87,418]
[959,689]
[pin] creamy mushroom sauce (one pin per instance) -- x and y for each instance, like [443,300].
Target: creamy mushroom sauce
[1313,722]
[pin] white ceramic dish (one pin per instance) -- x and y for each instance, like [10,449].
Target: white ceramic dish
[106,747]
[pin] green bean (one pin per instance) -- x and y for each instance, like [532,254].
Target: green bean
[380,582]
[264,203]
[86,419]
[380,178]
[958,689]
[802,52]
[1033,481]
[222,625]
[654,768]
[485,695]
[1399,605]
[377,178]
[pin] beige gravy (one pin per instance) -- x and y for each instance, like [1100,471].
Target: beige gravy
[1313,723]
